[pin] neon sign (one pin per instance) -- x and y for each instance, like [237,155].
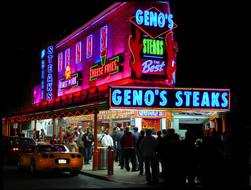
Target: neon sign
[144,113]
[153,21]
[153,47]
[43,70]
[73,81]
[60,61]
[153,67]
[78,52]
[89,41]
[169,98]
[154,18]
[50,51]
[109,67]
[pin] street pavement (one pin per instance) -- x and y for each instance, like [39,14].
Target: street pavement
[119,175]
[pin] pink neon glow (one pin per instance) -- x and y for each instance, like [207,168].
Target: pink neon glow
[78,52]
[89,42]
[60,61]
[67,57]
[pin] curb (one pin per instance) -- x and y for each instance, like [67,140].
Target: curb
[96,176]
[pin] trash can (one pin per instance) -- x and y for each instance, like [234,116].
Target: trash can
[102,155]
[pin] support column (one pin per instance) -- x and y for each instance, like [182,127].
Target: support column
[35,130]
[8,129]
[53,127]
[223,119]
[60,135]
[95,149]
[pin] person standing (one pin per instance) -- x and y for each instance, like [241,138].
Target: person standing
[42,137]
[88,139]
[141,161]
[128,144]
[107,140]
[148,148]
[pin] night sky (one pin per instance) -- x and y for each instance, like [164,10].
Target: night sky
[211,39]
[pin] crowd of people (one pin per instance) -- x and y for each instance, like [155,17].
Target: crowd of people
[195,158]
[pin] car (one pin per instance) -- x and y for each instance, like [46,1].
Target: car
[12,146]
[50,157]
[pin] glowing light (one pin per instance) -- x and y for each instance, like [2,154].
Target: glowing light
[78,52]
[116,99]
[153,18]
[89,42]
[67,57]
[60,61]
[103,39]
[137,97]
[163,97]
[196,99]
[153,47]
[149,98]
[169,98]
[215,99]
[205,100]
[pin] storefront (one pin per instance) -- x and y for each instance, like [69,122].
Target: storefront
[116,70]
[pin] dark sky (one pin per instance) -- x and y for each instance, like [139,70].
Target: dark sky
[211,37]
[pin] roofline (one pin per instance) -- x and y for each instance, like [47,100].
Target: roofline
[93,21]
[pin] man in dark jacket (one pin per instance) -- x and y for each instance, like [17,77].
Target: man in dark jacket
[128,144]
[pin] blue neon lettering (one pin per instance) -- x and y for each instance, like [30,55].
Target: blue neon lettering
[161,20]
[146,18]
[180,101]
[42,53]
[137,97]
[225,99]
[49,78]
[49,87]
[215,99]
[149,98]
[153,19]
[116,97]
[196,98]
[50,58]
[50,50]
[49,96]
[139,17]
[205,100]
[127,97]
[170,21]
[188,97]
[163,98]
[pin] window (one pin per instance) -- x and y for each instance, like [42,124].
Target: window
[60,62]
[89,42]
[67,57]
[103,39]
[78,52]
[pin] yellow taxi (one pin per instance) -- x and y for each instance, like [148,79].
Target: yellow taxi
[50,157]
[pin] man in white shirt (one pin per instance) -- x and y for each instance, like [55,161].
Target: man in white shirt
[107,140]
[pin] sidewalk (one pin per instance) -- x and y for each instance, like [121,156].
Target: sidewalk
[119,175]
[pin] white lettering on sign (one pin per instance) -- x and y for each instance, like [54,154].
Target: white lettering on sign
[150,113]
[152,66]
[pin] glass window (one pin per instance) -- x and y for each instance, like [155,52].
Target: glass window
[60,61]
[78,52]
[67,57]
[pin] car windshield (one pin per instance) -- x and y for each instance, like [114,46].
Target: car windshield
[52,148]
